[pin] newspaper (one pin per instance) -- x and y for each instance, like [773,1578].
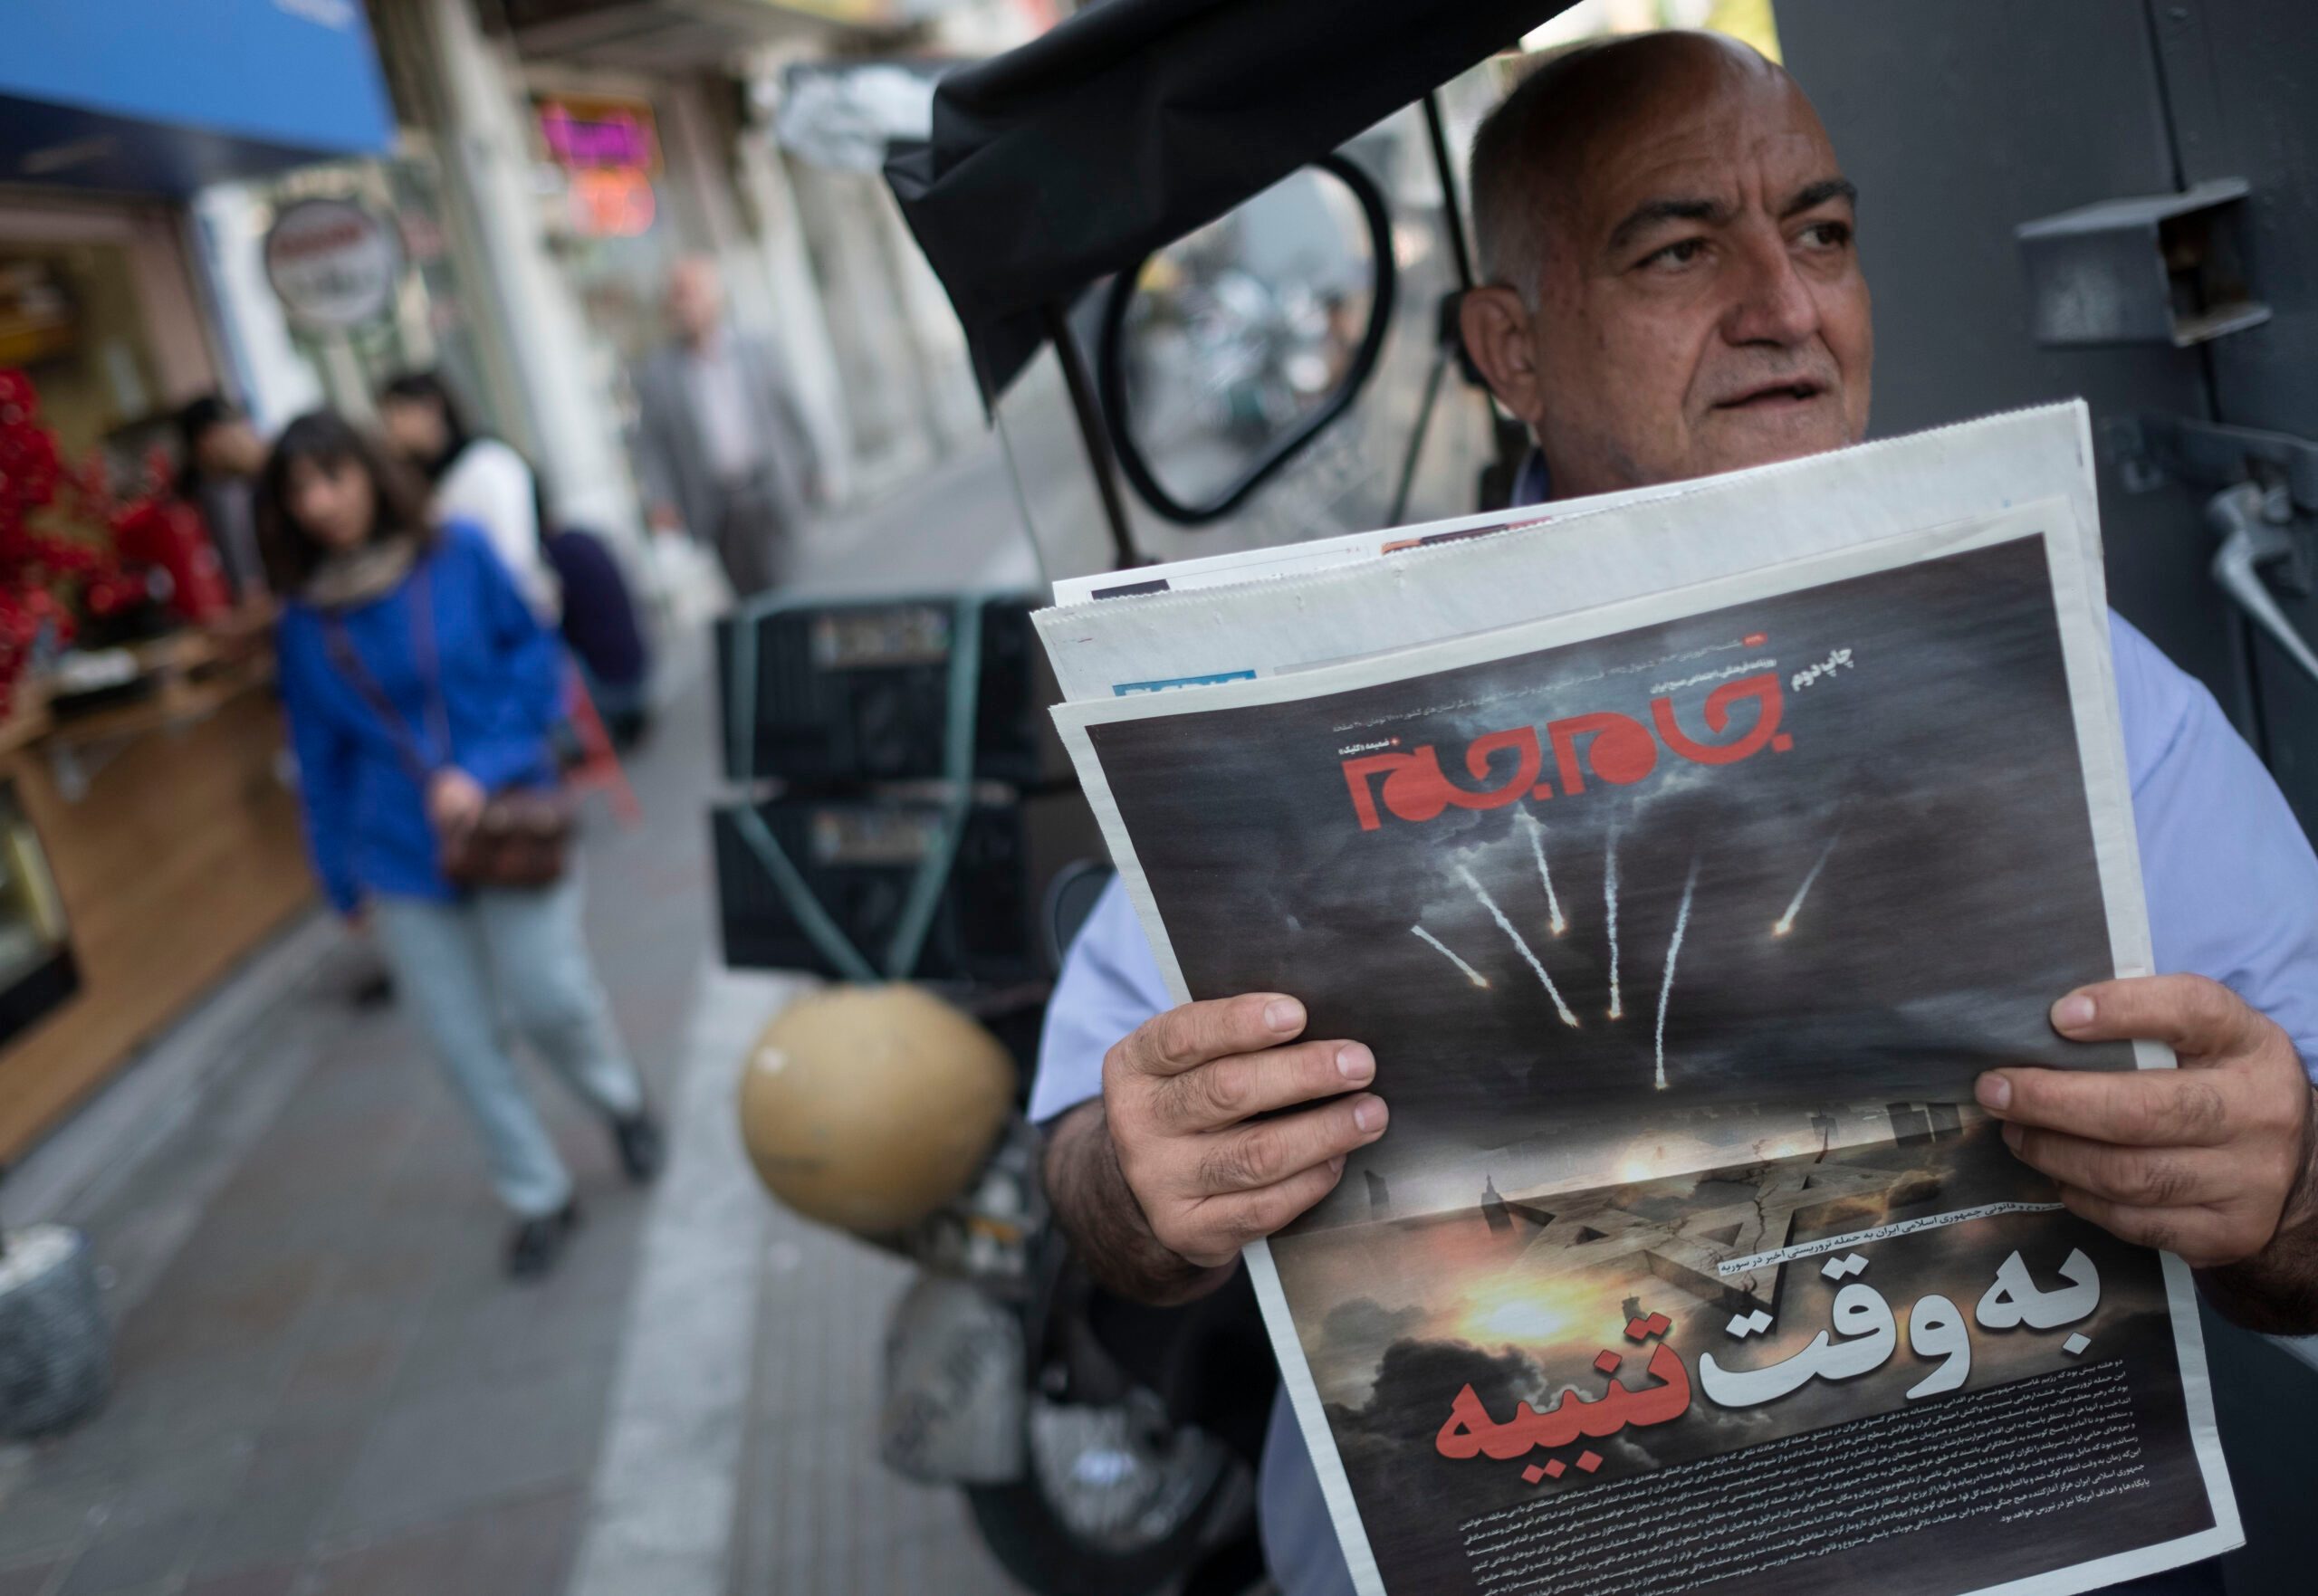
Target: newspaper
[1680,919]
[1320,554]
[1243,617]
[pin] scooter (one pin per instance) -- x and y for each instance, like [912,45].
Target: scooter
[1106,1448]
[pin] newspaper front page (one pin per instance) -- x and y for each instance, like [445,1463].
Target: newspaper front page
[1681,927]
[1237,616]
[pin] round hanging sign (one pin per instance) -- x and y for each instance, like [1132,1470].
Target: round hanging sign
[332,263]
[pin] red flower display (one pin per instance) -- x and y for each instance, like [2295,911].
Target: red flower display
[48,582]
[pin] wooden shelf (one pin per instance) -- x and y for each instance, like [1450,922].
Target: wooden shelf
[182,856]
[177,702]
[175,846]
[185,677]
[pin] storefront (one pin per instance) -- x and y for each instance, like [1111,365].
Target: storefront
[645,143]
[908,390]
[634,170]
[616,216]
[147,842]
[431,314]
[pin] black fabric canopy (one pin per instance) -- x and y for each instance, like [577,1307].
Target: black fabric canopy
[1135,122]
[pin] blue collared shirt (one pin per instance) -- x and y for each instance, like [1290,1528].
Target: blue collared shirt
[2232,888]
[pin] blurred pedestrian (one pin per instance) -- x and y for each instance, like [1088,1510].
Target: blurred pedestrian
[725,455]
[420,689]
[600,624]
[477,478]
[220,456]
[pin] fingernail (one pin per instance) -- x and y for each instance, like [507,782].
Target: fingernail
[1335,1164]
[2072,1013]
[1994,1091]
[1355,1062]
[2012,1134]
[1284,1014]
[1368,1114]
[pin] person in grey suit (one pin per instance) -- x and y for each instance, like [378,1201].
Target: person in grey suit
[725,454]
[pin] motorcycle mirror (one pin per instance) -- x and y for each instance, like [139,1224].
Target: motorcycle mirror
[1226,354]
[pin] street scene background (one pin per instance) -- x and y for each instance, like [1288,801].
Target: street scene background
[322,1379]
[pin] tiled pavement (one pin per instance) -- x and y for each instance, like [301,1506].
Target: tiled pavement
[328,1387]
[818,1519]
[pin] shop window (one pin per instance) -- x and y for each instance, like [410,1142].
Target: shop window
[70,318]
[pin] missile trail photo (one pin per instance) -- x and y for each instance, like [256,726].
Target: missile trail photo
[1786,922]
[1472,975]
[1538,851]
[1506,926]
[1673,951]
[1609,904]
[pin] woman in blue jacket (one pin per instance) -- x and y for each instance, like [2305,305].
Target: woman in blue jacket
[418,684]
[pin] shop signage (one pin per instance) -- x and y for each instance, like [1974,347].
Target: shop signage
[595,133]
[333,263]
[609,150]
[612,204]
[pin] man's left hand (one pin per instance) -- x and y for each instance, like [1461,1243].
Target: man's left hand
[2210,1161]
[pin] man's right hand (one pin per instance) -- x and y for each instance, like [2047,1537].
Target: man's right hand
[1184,1097]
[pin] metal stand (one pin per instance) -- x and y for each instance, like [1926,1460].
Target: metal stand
[1081,384]
[1437,134]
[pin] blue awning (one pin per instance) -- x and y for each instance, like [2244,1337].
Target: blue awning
[162,96]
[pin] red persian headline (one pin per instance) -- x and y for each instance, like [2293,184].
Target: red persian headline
[1606,745]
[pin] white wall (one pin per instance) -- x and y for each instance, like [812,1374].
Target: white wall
[486,156]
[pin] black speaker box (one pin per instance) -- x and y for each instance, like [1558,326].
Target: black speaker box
[855,692]
[859,859]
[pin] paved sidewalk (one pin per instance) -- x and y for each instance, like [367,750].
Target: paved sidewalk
[325,1384]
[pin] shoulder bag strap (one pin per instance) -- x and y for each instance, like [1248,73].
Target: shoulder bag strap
[430,660]
[341,649]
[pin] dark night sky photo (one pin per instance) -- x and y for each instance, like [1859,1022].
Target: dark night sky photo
[1933,780]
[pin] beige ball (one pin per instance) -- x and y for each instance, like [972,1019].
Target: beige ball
[868,1107]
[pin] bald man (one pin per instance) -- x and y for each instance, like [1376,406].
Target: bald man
[1675,292]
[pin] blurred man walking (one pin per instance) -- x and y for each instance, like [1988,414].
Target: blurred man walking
[726,454]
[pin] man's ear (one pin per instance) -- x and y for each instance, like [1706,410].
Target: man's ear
[1496,327]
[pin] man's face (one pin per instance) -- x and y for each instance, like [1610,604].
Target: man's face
[231,448]
[416,428]
[694,305]
[1700,307]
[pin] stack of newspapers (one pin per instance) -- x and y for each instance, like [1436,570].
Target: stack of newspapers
[1683,856]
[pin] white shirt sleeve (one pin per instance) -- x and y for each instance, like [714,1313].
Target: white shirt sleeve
[490,487]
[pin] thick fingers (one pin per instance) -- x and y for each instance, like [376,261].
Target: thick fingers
[1226,1091]
[2136,1108]
[2199,1020]
[1271,1150]
[1183,1038]
[1221,1225]
[2204,1239]
[2163,1178]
